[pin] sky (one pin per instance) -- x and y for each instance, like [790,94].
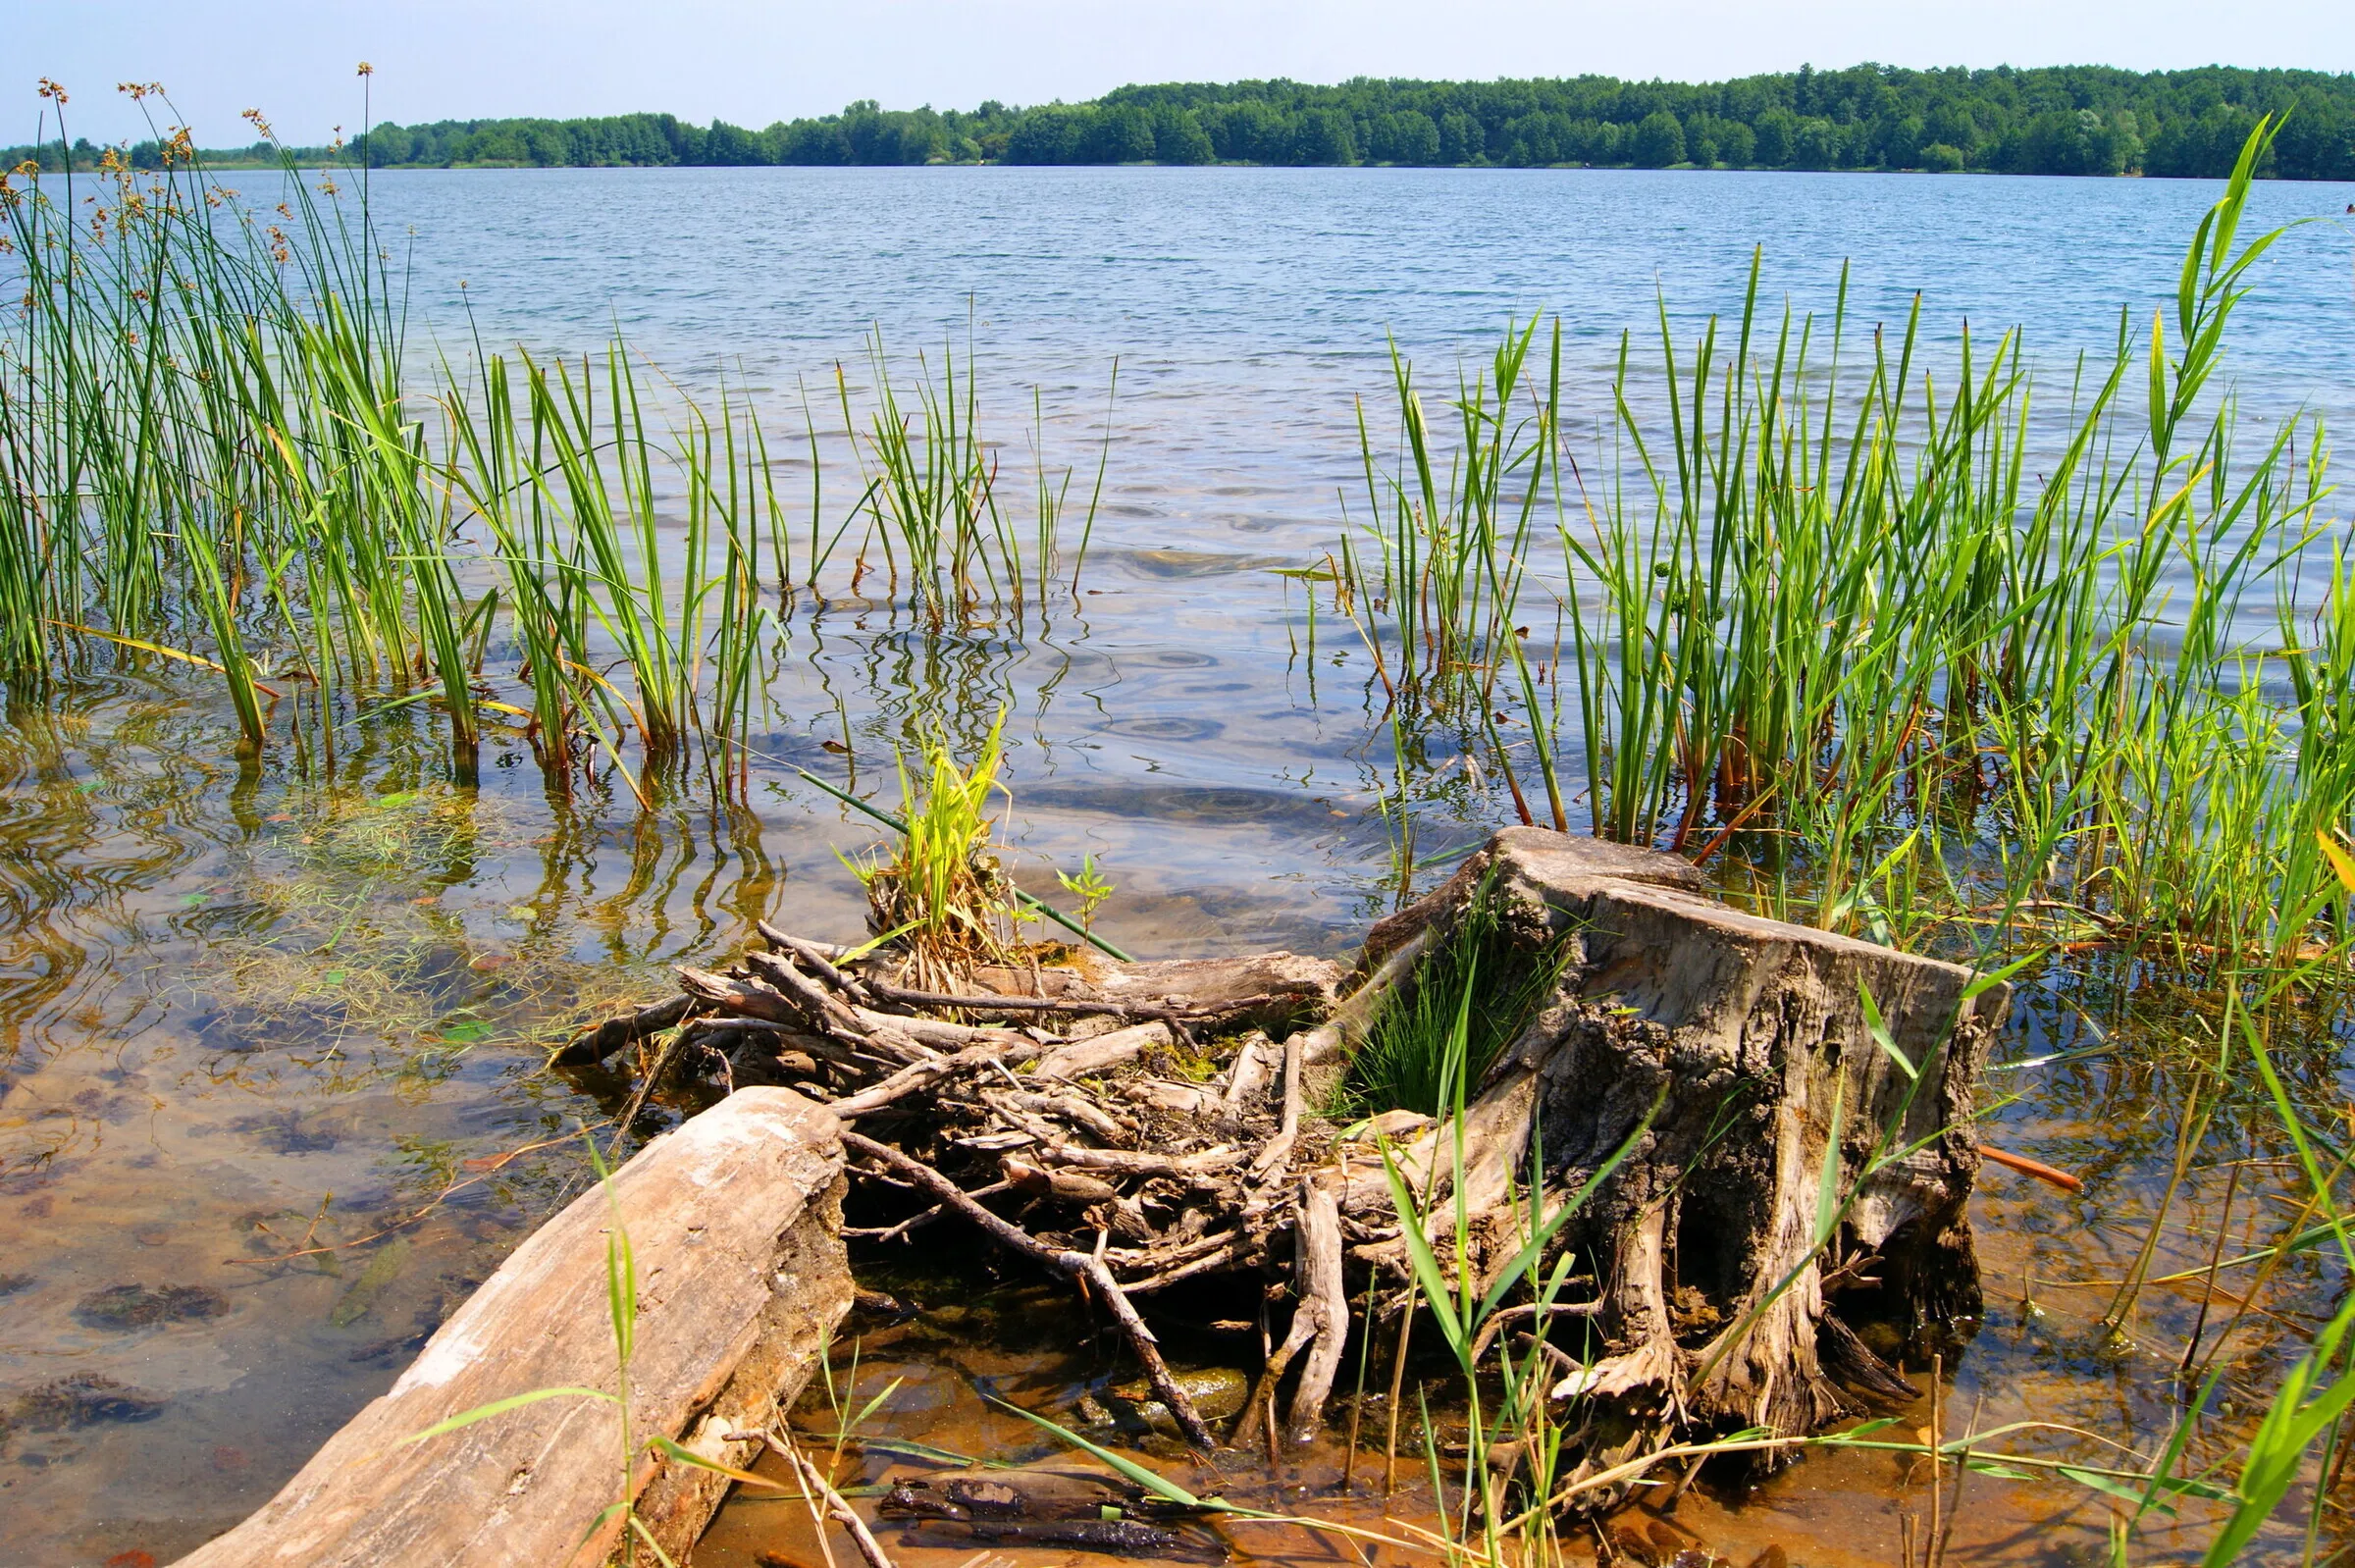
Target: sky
[752,62]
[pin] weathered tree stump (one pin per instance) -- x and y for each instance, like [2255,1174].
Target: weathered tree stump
[1745,1042]
[1727,1054]
[736,1223]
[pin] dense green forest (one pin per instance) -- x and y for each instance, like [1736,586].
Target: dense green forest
[2069,119]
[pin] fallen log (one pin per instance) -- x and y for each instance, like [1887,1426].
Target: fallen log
[734,1298]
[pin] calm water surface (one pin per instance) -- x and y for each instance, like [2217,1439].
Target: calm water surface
[278,1041]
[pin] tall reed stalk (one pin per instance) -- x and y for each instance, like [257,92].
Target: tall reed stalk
[1848,608]
[212,433]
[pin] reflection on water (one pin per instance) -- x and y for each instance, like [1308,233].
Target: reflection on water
[273,1100]
[271,1084]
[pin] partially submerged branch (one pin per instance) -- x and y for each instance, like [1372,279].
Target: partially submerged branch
[1727,1054]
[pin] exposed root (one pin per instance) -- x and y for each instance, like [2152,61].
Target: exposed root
[1079,1265]
[1155,1132]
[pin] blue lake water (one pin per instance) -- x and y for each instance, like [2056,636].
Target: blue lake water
[1249,310]
[244,1010]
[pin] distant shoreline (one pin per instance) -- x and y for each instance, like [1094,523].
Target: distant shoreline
[221,166]
[2058,120]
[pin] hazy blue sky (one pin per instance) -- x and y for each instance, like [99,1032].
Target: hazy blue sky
[754,61]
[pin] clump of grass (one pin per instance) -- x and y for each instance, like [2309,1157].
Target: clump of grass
[1435,1039]
[944,897]
[215,446]
[1851,614]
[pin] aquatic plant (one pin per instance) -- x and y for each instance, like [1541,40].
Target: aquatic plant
[1443,561]
[1819,616]
[943,896]
[215,446]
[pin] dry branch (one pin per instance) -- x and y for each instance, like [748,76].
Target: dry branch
[1726,1037]
[1079,1265]
[1324,1296]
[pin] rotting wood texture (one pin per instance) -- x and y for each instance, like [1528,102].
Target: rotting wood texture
[736,1223]
[1162,1119]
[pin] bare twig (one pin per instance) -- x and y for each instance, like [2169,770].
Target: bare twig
[818,957]
[1954,1501]
[1505,1315]
[2216,1256]
[996,1003]
[779,971]
[909,1079]
[1937,1440]
[1079,1265]
[1279,1148]
[599,1042]
[837,1507]
[919,1219]
[1390,1446]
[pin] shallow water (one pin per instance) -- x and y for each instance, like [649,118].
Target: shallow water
[248,1016]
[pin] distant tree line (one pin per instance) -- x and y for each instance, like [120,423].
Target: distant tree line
[2076,120]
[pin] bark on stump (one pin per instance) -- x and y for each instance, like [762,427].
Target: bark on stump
[736,1223]
[1749,1035]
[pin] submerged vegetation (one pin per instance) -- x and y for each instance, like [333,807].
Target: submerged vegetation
[1892,646]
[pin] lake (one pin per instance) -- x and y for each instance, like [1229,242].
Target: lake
[252,1015]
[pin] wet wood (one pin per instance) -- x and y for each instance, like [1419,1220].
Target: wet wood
[735,1223]
[601,1042]
[2032,1168]
[1724,1039]
[1078,1265]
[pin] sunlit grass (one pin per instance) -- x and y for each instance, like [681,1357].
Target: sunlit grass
[216,441]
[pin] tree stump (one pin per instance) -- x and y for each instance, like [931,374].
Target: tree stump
[1745,1042]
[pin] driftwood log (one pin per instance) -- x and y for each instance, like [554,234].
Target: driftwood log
[735,1220]
[1146,1124]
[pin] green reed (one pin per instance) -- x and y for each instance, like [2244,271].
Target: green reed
[212,434]
[932,500]
[1857,613]
[1927,659]
[1445,555]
